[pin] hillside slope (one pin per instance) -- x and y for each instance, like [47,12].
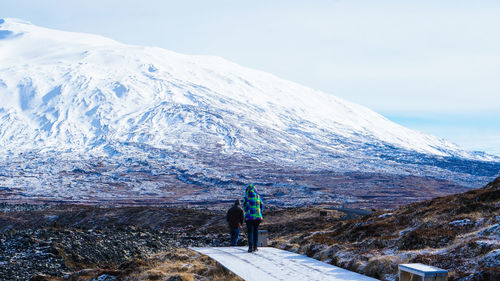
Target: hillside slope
[75,90]
[460,233]
[80,111]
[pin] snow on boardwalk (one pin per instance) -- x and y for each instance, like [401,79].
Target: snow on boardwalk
[273,264]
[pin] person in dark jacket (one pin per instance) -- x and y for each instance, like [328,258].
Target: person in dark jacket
[235,217]
[253,206]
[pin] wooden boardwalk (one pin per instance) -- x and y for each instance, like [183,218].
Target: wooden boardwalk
[273,264]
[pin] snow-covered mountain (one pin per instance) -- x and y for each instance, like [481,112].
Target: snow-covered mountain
[88,97]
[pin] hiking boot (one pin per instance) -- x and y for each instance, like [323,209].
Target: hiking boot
[255,249]
[250,250]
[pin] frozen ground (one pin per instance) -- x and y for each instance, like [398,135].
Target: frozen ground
[273,264]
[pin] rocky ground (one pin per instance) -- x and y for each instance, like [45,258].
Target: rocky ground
[460,233]
[83,243]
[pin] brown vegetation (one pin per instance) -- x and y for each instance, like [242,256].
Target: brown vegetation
[460,233]
[455,232]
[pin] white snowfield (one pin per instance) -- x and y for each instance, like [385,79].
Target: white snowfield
[270,264]
[73,90]
[81,116]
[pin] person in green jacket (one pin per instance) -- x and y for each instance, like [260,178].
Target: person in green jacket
[253,206]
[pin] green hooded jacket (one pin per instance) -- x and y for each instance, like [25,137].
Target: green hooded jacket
[252,204]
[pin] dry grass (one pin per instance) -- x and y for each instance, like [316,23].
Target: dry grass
[177,265]
[429,232]
[182,265]
[382,267]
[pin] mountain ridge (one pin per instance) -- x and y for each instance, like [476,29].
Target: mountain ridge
[71,99]
[31,91]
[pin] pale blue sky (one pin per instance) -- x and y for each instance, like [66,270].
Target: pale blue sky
[429,65]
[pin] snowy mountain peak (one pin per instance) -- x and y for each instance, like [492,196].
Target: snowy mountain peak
[80,111]
[12,28]
[74,90]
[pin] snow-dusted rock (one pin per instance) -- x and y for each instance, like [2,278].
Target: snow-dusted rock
[464,222]
[492,259]
[493,231]
[386,215]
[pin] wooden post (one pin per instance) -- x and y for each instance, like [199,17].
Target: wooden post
[262,238]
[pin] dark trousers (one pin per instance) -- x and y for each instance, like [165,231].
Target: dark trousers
[235,234]
[253,233]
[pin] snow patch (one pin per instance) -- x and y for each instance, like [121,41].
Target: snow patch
[493,230]
[464,222]
[492,259]
[383,216]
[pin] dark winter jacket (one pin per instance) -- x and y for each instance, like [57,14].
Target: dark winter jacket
[235,217]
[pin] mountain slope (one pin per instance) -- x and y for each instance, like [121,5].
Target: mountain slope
[76,88]
[90,96]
